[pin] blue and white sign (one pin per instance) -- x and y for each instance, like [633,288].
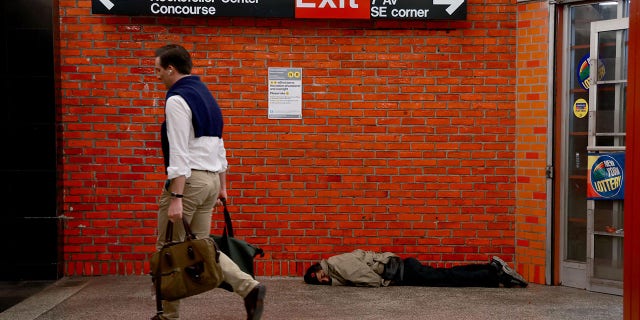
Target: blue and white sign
[606,176]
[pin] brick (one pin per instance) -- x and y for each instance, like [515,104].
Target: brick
[398,124]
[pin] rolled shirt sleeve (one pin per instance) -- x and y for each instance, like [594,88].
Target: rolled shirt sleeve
[179,129]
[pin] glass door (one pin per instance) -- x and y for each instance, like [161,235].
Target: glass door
[606,147]
[592,111]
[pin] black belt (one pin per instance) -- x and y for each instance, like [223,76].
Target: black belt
[209,171]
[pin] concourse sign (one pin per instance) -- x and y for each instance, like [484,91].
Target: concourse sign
[211,8]
[300,9]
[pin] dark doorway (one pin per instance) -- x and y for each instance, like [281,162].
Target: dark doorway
[28,160]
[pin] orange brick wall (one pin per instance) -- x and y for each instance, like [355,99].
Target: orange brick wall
[407,142]
[531,139]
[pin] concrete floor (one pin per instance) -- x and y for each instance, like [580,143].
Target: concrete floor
[131,297]
[14,292]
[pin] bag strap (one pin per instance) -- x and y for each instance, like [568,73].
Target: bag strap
[158,280]
[187,229]
[168,236]
[169,231]
[228,225]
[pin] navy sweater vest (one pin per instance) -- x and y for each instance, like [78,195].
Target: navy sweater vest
[205,112]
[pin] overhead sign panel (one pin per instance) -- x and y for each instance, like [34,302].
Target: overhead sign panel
[218,8]
[301,9]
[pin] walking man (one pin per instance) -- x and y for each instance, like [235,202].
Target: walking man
[196,165]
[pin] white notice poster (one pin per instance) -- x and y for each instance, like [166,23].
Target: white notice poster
[285,93]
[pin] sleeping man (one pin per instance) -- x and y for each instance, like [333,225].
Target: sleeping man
[371,269]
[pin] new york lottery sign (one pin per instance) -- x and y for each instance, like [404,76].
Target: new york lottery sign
[605,179]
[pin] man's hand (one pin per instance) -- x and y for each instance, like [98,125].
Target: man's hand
[221,195]
[175,209]
[175,206]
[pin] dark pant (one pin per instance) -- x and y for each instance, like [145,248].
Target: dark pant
[472,275]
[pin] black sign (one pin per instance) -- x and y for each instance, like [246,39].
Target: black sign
[419,10]
[212,8]
[320,9]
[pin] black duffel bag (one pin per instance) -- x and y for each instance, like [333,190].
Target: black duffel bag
[240,251]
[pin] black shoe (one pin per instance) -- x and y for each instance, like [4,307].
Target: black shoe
[508,277]
[254,302]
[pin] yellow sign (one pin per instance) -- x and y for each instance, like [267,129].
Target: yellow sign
[580,108]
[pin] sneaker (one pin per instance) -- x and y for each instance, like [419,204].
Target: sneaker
[508,276]
[254,302]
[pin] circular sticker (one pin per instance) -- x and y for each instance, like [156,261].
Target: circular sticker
[606,176]
[580,108]
[583,71]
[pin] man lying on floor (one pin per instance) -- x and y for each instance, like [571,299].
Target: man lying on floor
[371,269]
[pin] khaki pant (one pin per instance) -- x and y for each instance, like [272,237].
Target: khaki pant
[200,195]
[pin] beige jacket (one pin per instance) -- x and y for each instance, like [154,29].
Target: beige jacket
[358,268]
